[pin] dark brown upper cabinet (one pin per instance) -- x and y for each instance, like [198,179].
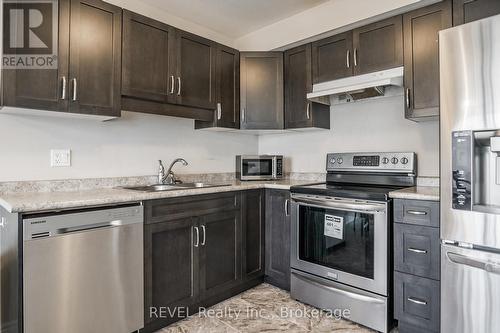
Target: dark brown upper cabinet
[465,11]
[300,112]
[195,71]
[95,58]
[166,70]
[148,70]
[332,58]
[261,90]
[421,59]
[87,80]
[371,48]
[378,46]
[227,110]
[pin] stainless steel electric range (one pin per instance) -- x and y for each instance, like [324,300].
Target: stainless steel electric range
[341,236]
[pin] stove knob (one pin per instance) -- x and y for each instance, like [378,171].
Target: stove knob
[385,160]
[394,160]
[332,160]
[404,160]
[340,160]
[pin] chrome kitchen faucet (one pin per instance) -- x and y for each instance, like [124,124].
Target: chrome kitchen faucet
[168,177]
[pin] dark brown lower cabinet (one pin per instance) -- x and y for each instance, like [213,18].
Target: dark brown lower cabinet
[253,226]
[171,274]
[417,266]
[278,222]
[220,252]
[196,249]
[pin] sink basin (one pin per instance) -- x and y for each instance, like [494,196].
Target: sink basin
[180,186]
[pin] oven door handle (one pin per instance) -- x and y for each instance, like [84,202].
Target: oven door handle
[363,207]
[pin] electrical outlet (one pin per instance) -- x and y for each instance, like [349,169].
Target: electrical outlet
[60,157]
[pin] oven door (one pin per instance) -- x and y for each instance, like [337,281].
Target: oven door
[343,240]
[255,168]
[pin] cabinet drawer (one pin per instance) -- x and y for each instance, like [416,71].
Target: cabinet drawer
[174,208]
[416,250]
[417,212]
[417,301]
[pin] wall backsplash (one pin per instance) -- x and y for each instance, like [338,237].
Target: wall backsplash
[370,125]
[131,145]
[128,146]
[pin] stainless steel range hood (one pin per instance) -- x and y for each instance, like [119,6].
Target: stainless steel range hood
[357,87]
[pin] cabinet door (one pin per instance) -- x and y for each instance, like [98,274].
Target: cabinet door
[170,267]
[95,58]
[421,59]
[378,46]
[195,81]
[220,244]
[300,112]
[148,59]
[228,87]
[278,238]
[253,231]
[261,77]
[332,58]
[298,82]
[465,11]
[42,88]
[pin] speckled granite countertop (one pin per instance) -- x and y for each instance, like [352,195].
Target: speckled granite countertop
[430,193]
[23,202]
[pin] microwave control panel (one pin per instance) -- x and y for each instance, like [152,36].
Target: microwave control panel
[462,170]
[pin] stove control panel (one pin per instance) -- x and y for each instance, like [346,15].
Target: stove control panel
[400,162]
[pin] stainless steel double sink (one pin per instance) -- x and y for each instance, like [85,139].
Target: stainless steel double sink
[174,187]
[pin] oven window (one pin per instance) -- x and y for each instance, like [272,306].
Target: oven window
[337,239]
[258,167]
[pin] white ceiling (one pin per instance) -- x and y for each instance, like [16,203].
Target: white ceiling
[234,18]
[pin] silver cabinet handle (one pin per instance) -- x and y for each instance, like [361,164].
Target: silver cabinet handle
[348,59]
[287,201]
[243,114]
[416,212]
[416,301]
[75,87]
[408,98]
[172,84]
[63,91]
[204,234]
[219,111]
[197,237]
[179,86]
[411,249]
[355,57]
[488,266]
[308,110]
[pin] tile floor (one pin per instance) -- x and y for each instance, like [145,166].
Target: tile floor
[262,309]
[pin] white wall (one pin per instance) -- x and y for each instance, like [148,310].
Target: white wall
[375,125]
[129,146]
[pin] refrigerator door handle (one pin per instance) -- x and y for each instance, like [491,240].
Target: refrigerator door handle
[489,266]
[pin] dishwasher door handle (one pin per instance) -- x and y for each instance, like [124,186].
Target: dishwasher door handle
[70,230]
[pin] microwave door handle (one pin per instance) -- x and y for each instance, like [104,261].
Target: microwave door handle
[365,207]
[273,166]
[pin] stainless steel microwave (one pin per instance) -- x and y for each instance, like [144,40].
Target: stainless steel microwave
[259,167]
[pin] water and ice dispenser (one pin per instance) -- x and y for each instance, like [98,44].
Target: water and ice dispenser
[476,170]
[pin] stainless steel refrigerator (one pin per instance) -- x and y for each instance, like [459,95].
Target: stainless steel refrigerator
[470,177]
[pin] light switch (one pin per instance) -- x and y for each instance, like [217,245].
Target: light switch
[60,158]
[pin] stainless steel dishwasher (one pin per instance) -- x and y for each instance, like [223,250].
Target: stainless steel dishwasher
[83,271]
